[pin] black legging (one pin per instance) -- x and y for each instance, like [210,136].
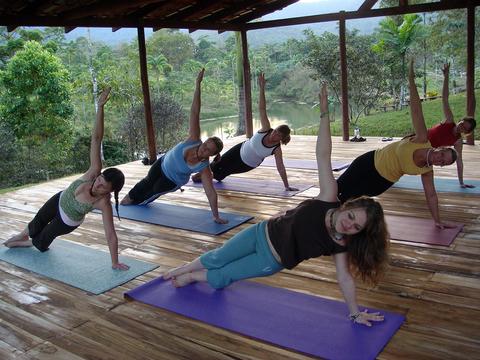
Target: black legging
[362,178]
[230,163]
[152,186]
[48,224]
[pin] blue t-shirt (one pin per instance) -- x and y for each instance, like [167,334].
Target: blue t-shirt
[176,168]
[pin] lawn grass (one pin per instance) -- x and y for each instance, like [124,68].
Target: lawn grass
[398,123]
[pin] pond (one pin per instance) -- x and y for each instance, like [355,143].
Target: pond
[294,115]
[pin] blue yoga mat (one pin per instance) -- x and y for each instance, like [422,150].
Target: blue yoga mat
[77,265]
[181,217]
[255,186]
[337,165]
[441,184]
[305,323]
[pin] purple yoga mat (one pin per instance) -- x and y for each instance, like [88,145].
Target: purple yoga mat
[256,186]
[337,165]
[305,323]
[420,230]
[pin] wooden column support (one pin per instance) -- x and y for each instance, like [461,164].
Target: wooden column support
[470,85]
[344,80]
[247,86]
[142,52]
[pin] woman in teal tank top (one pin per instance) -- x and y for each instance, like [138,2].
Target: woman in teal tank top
[173,170]
[65,211]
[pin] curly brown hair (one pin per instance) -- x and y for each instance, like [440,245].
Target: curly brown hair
[368,250]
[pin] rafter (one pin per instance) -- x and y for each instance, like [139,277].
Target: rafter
[367,5]
[263,10]
[419,8]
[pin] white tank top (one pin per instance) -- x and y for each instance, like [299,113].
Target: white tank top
[253,151]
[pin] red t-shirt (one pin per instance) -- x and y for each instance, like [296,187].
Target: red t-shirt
[442,135]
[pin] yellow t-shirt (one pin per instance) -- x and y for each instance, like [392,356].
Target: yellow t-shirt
[396,159]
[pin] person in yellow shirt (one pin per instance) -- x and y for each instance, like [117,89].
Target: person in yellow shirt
[376,171]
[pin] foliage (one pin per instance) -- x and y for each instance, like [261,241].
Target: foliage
[366,78]
[394,43]
[169,122]
[36,101]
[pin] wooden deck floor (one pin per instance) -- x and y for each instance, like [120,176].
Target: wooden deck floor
[437,288]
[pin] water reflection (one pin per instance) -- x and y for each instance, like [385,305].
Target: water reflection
[294,115]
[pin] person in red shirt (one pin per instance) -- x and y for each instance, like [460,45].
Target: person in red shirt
[447,133]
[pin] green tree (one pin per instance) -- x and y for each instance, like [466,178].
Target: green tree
[366,78]
[36,106]
[395,42]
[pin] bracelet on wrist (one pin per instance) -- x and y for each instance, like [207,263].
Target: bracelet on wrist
[354,316]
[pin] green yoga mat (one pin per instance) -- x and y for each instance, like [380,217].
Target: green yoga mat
[77,265]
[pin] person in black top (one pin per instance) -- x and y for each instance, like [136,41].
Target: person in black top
[354,233]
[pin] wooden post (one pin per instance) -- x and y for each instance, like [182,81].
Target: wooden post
[247,86]
[343,74]
[142,52]
[470,85]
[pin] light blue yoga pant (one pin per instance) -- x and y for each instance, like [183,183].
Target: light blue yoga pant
[246,255]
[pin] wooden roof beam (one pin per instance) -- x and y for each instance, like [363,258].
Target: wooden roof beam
[367,5]
[419,8]
[148,9]
[232,10]
[124,22]
[102,7]
[263,10]
[199,7]
[67,29]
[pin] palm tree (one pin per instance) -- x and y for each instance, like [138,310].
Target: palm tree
[395,42]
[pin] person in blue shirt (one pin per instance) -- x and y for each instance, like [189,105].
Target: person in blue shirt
[173,170]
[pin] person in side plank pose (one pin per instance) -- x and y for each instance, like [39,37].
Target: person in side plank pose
[376,171]
[249,154]
[354,233]
[66,210]
[173,169]
[447,133]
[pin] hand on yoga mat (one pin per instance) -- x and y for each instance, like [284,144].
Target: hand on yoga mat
[219,220]
[365,317]
[445,225]
[120,266]
[291,188]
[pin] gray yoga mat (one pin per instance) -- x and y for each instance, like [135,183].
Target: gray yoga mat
[76,265]
[255,186]
[181,217]
[337,165]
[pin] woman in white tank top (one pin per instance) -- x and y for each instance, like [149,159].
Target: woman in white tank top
[249,154]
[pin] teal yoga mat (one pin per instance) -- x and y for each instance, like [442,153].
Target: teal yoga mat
[76,265]
[441,184]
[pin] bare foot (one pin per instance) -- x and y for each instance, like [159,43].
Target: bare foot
[11,243]
[175,272]
[22,237]
[182,280]
[126,200]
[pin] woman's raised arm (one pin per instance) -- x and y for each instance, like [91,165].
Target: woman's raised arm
[447,111]
[416,112]
[328,185]
[97,136]
[194,130]
[262,104]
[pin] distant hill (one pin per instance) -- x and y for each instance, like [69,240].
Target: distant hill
[256,37]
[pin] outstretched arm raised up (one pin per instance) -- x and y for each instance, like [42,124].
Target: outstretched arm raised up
[97,136]
[416,112]
[447,112]
[262,107]
[194,130]
[328,185]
